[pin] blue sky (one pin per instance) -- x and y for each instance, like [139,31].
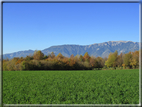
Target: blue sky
[37,26]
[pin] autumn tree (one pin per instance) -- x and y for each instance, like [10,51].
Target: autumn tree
[81,58]
[87,65]
[100,62]
[115,55]
[93,62]
[109,63]
[25,65]
[72,62]
[28,58]
[72,56]
[104,60]
[18,63]
[52,55]
[86,57]
[38,55]
[120,60]
[5,65]
[45,57]
[66,63]
[76,57]
[127,59]
[60,56]
[11,64]
[112,60]
[134,61]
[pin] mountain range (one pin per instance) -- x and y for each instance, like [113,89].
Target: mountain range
[96,49]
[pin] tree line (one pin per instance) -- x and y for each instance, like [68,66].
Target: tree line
[39,61]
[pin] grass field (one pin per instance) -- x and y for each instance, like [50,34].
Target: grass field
[71,87]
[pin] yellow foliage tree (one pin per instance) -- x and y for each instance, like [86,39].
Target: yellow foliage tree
[60,56]
[38,55]
[86,57]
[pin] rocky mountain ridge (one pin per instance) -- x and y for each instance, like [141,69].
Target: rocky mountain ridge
[96,49]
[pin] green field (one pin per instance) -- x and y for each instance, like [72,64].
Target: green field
[71,87]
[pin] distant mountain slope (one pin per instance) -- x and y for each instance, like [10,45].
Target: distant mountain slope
[97,49]
[18,54]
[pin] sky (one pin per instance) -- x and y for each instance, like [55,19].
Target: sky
[38,26]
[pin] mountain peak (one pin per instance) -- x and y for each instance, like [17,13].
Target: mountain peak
[119,41]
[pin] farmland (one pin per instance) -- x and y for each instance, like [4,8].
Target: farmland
[71,87]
